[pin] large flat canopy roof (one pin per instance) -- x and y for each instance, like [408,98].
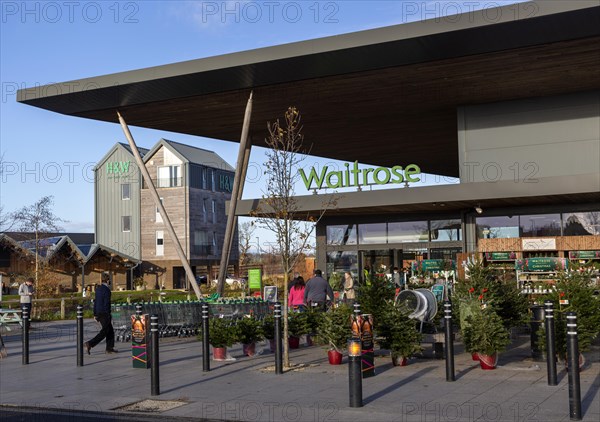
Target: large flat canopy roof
[580,190]
[385,96]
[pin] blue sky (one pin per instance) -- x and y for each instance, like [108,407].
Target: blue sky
[45,42]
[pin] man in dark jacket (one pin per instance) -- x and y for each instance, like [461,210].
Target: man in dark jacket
[103,316]
[317,291]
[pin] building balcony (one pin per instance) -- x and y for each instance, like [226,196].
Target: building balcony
[167,182]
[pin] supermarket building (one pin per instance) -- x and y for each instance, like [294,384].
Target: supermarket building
[510,106]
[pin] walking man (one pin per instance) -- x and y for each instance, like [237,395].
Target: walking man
[318,291]
[103,316]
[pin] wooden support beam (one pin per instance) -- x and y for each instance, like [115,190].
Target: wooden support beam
[160,207]
[236,194]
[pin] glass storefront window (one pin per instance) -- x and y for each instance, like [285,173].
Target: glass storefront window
[342,261]
[444,253]
[446,230]
[372,233]
[341,234]
[540,225]
[581,223]
[408,231]
[497,227]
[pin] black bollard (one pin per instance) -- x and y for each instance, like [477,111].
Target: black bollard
[154,361]
[355,323]
[356,309]
[25,336]
[573,362]
[205,339]
[79,335]
[550,343]
[138,309]
[449,342]
[278,340]
[537,321]
[355,372]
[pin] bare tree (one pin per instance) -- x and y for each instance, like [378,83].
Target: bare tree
[279,211]
[6,219]
[39,220]
[245,234]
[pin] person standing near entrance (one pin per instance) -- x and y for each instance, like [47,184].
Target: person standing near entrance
[103,316]
[26,292]
[317,291]
[349,294]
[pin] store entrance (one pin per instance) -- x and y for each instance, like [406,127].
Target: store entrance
[375,261]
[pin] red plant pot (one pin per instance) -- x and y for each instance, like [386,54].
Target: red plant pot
[220,353]
[249,349]
[399,361]
[475,356]
[294,342]
[335,357]
[488,362]
[581,362]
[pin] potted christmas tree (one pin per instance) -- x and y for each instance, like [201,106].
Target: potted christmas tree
[297,326]
[399,334]
[486,335]
[223,333]
[574,292]
[249,332]
[335,330]
[268,329]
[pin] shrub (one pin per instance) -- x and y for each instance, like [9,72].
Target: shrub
[399,333]
[335,328]
[249,330]
[485,332]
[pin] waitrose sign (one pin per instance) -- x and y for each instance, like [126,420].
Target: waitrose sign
[359,177]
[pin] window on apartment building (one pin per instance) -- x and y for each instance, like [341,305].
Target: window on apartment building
[160,243]
[203,172]
[169,176]
[207,178]
[214,211]
[125,191]
[214,242]
[126,223]
[204,210]
[213,181]
[201,245]
[158,216]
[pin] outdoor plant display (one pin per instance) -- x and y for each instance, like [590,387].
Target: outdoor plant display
[399,334]
[335,281]
[223,333]
[335,330]
[268,327]
[249,332]
[372,297]
[313,319]
[485,334]
[297,326]
[574,292]
[484,288]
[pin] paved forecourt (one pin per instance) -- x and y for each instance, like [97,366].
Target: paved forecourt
[247,389]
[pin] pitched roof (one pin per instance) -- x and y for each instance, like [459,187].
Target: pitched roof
[192,155]
[126,147]
[143,151]
[49,246]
